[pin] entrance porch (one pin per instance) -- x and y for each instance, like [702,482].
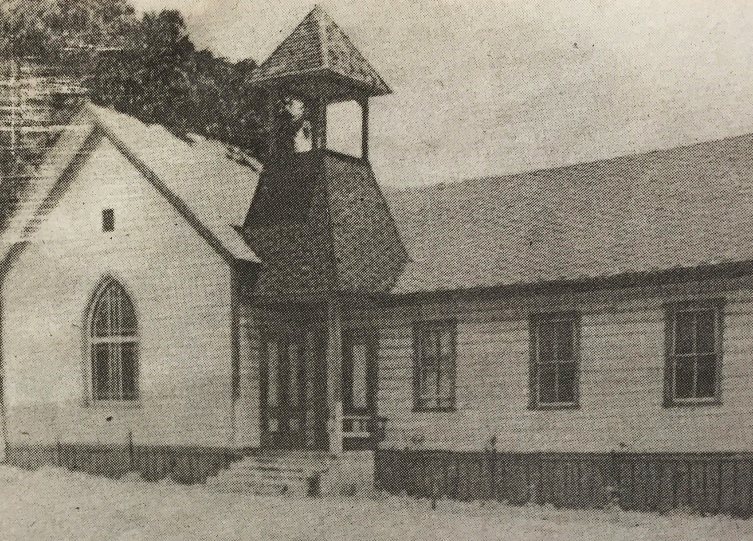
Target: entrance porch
[318,384]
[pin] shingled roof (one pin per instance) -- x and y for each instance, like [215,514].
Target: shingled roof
[671,209]
[207,186]
[318,46]
[320,224]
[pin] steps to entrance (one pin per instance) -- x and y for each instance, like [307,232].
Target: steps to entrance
[291,474]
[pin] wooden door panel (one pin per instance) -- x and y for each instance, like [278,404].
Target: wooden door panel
[359,377]
[291,396]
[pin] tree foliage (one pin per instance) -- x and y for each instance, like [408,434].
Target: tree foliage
[162,78]
[145,66]
[48,29]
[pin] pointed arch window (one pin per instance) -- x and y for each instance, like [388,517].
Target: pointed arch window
[113,344]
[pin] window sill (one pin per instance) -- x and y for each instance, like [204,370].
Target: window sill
[451,409]
[693,403]
[114,404]
[553,407]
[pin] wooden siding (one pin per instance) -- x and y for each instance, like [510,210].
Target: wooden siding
[181,291]
[180,463]
[621,374]
[248,406]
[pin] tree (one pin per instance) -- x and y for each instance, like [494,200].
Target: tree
[147,67]
[45,45]
[162,78]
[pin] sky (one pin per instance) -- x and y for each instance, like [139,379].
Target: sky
[486,87]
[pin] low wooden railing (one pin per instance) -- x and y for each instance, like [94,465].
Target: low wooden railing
[704,483]
[362,431]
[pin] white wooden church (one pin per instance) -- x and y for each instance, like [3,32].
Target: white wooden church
[171,306]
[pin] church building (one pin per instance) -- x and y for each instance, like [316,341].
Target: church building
[172,306]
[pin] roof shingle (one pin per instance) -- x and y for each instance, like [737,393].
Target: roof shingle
[320,224]
[670,209]
[318,46]
[212,187]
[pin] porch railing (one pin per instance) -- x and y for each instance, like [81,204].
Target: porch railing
[363,427]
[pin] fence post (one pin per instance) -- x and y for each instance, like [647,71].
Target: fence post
[131,460]
[492,458]
[614,496]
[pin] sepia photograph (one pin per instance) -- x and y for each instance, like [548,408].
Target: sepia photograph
[417,270]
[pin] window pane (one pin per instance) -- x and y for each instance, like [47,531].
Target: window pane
[272,374]
[706,377]
[446,383]
[128,370]
[445,342]
[445,402]
[429,380]
[430,344]
[427,402]
[547,337]
[294,373]
[566,383]
[127,323]
[101,319]
[684,368]
[101,372]
[564,341]
[547,383]
[359,376]
[684,335]
[705,332]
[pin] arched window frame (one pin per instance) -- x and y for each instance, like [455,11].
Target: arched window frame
[112,353]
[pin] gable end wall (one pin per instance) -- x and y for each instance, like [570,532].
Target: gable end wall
[180,287]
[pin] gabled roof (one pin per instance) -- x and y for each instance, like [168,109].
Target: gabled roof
[209,188]
[667,210]
[320,224]
[318,46]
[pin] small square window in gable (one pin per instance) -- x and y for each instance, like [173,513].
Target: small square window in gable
[108,220]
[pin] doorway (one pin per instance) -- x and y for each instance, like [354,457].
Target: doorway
[359,388]
[294,390]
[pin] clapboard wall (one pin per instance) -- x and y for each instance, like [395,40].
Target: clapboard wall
[181,291]
[622,348]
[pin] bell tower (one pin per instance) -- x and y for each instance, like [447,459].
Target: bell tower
[314,68]
[318,219]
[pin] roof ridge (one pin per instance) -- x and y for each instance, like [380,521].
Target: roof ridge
[394,189]
[288,35]
[321,19]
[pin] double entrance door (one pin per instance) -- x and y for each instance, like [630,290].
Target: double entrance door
[294,389]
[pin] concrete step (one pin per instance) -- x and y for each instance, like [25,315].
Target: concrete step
[261,487]
[253,475]
[270,476]
[271,467]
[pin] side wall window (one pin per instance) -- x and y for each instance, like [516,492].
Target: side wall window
[113,345]
[694,352]
[434,352]
[555,360]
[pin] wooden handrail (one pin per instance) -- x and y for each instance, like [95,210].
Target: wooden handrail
[360,425]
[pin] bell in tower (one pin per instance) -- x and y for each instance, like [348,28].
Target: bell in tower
[318,219]
[316,71]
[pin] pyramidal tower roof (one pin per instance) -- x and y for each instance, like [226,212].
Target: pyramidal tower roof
[319,47]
